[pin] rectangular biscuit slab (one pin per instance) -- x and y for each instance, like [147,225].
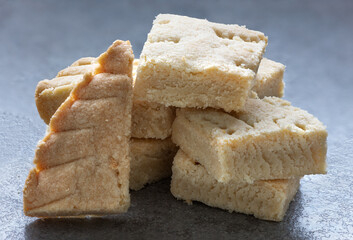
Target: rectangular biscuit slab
[189,62]
[267,200]
[269,139]
[83,162]
[149,120]
[151,161]
[269,79]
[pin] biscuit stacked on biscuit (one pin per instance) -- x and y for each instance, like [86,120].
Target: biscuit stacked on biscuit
[202,86]
[242,148]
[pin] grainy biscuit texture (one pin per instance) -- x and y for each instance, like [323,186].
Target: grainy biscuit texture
[150,120]
[83,163]
[189,62]
[151,161]
[269,139]
[267,200]
[269,79]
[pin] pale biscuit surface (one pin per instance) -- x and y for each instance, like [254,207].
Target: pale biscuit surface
[267,200]
[269,139]
[150,120]
[83,162]
[269,79]
[151,161]
[188,62]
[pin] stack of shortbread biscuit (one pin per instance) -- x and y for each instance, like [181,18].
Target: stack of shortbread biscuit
[242,148]
[152,150]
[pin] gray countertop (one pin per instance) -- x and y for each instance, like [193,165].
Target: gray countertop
[313,39]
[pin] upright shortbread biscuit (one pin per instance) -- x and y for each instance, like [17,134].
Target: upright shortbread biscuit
[189,62]
[267,200]
[149,120]
[269,139]
[151,161]
[83,162]
[269,79]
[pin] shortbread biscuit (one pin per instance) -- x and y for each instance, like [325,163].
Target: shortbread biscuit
[267,200]
[151,161]
[269,79]
[189,62]
[149,120]
[269,139]
[83,163]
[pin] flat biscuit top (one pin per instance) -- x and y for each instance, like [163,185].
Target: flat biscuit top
[258,116]
[196,45]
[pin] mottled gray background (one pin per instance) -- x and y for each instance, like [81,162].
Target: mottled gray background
[313,39]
